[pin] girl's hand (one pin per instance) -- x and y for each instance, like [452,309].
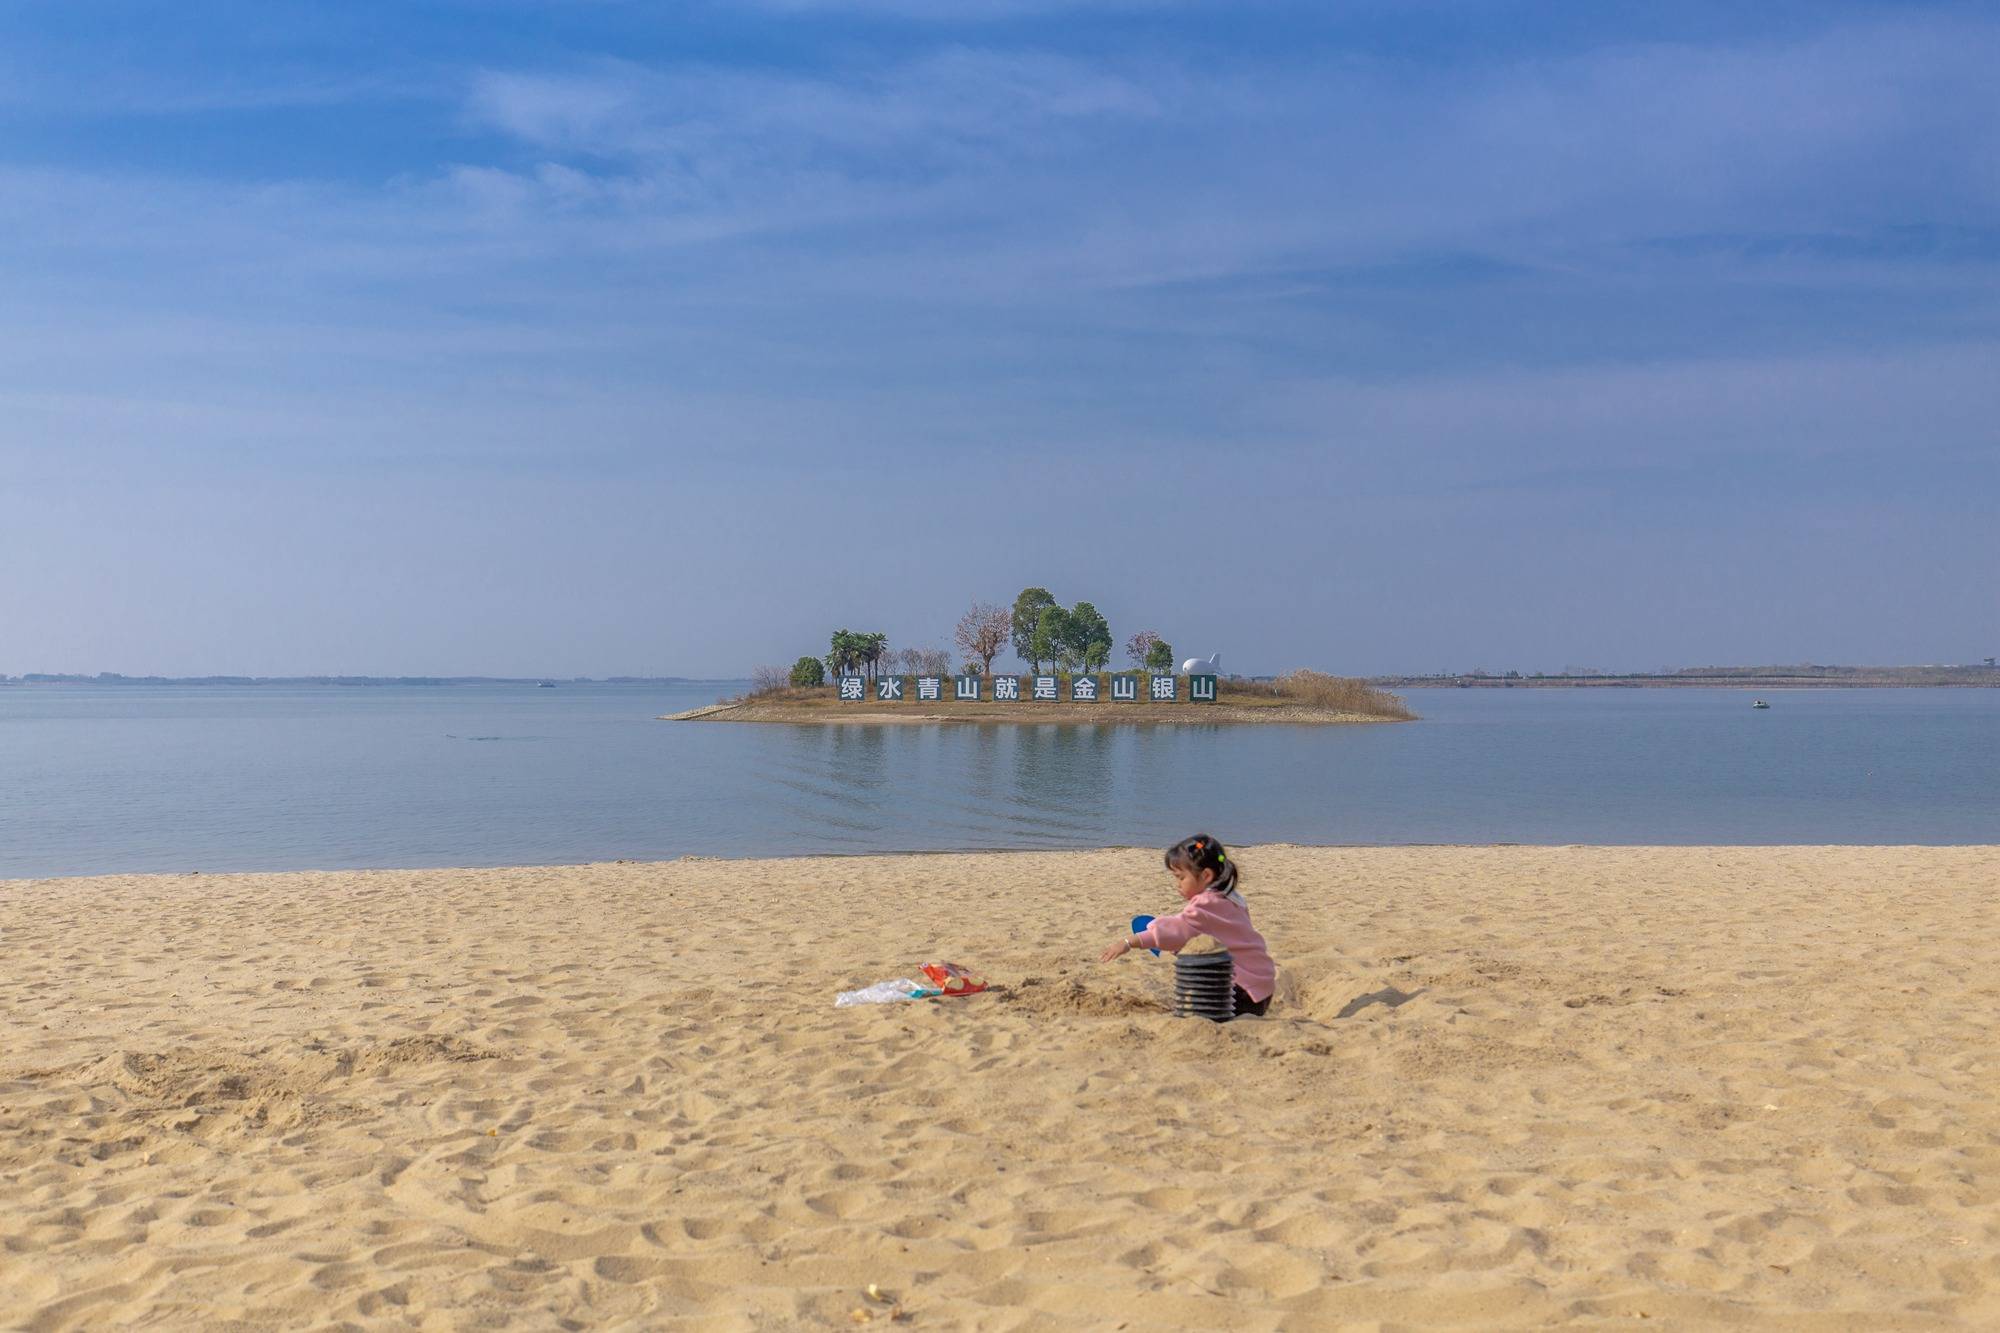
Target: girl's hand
[1116,951]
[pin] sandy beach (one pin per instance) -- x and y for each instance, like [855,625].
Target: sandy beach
[1501,1087]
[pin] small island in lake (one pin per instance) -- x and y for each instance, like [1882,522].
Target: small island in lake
[1067,650]
[1302,698]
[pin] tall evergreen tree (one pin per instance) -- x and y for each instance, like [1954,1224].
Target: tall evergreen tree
[1051,641]
[1087,638]
[1027,617]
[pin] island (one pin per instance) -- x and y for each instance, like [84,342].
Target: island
[1300,698]
[1067,650]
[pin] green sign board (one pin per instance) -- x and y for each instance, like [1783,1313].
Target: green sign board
[1125,687]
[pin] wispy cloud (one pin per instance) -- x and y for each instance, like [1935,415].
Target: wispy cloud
[899,125]
[1024,170]
[1451,278]
[1151,171]
[1203,231]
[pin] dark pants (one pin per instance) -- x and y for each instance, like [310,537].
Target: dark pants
[1246,1005]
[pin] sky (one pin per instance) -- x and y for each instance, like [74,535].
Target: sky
[588,337]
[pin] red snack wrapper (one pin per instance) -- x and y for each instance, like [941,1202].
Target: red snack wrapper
[953,979]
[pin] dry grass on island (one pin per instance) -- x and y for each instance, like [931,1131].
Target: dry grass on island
[1304,698]
[1501,1088]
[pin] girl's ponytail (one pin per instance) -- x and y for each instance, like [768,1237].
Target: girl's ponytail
[1201,852]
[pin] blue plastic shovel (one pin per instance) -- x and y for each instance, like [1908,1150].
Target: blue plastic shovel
[1139,923]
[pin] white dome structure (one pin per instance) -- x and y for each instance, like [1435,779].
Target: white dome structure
[1203,666]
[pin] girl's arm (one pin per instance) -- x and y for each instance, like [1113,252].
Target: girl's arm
[1169,934]
[1123,947]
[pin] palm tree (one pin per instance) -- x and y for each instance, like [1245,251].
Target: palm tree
[844,653]
[873,646]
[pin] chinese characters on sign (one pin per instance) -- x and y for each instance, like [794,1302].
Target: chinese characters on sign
[1124,688]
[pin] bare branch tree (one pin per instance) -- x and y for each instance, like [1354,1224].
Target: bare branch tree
[983,632]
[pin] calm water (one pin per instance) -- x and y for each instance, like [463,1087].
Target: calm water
[137,779]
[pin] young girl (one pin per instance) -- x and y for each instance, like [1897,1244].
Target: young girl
[1208,880]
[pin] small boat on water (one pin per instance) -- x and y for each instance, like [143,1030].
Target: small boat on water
[546,685]
[1759,703]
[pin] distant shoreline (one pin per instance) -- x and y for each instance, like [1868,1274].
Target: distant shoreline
[112,680]
[1742,678]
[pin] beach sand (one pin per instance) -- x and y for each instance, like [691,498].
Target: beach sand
[1502,1087]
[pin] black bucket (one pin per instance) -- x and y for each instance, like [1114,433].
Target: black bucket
[1205,986]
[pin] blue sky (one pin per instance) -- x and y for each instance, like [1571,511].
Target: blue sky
[596,337]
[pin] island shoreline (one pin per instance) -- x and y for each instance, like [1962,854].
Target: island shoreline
[1024,714]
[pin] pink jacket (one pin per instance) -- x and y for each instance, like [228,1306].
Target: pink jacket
[1225,918]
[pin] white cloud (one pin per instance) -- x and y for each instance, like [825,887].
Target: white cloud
[1084,249]
[1030,168]
[693,114]
[1006,176]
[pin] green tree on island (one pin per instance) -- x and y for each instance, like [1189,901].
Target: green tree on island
[1087,639]
[808,671]
[874,647]
[1149,652]
[840,654]
[1074,638]
[1027,618]
[844,656]
[1050,641]
[850,652]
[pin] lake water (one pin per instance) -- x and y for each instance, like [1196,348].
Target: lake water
[105,779]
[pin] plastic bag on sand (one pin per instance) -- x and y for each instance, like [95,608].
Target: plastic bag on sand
[886,992]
